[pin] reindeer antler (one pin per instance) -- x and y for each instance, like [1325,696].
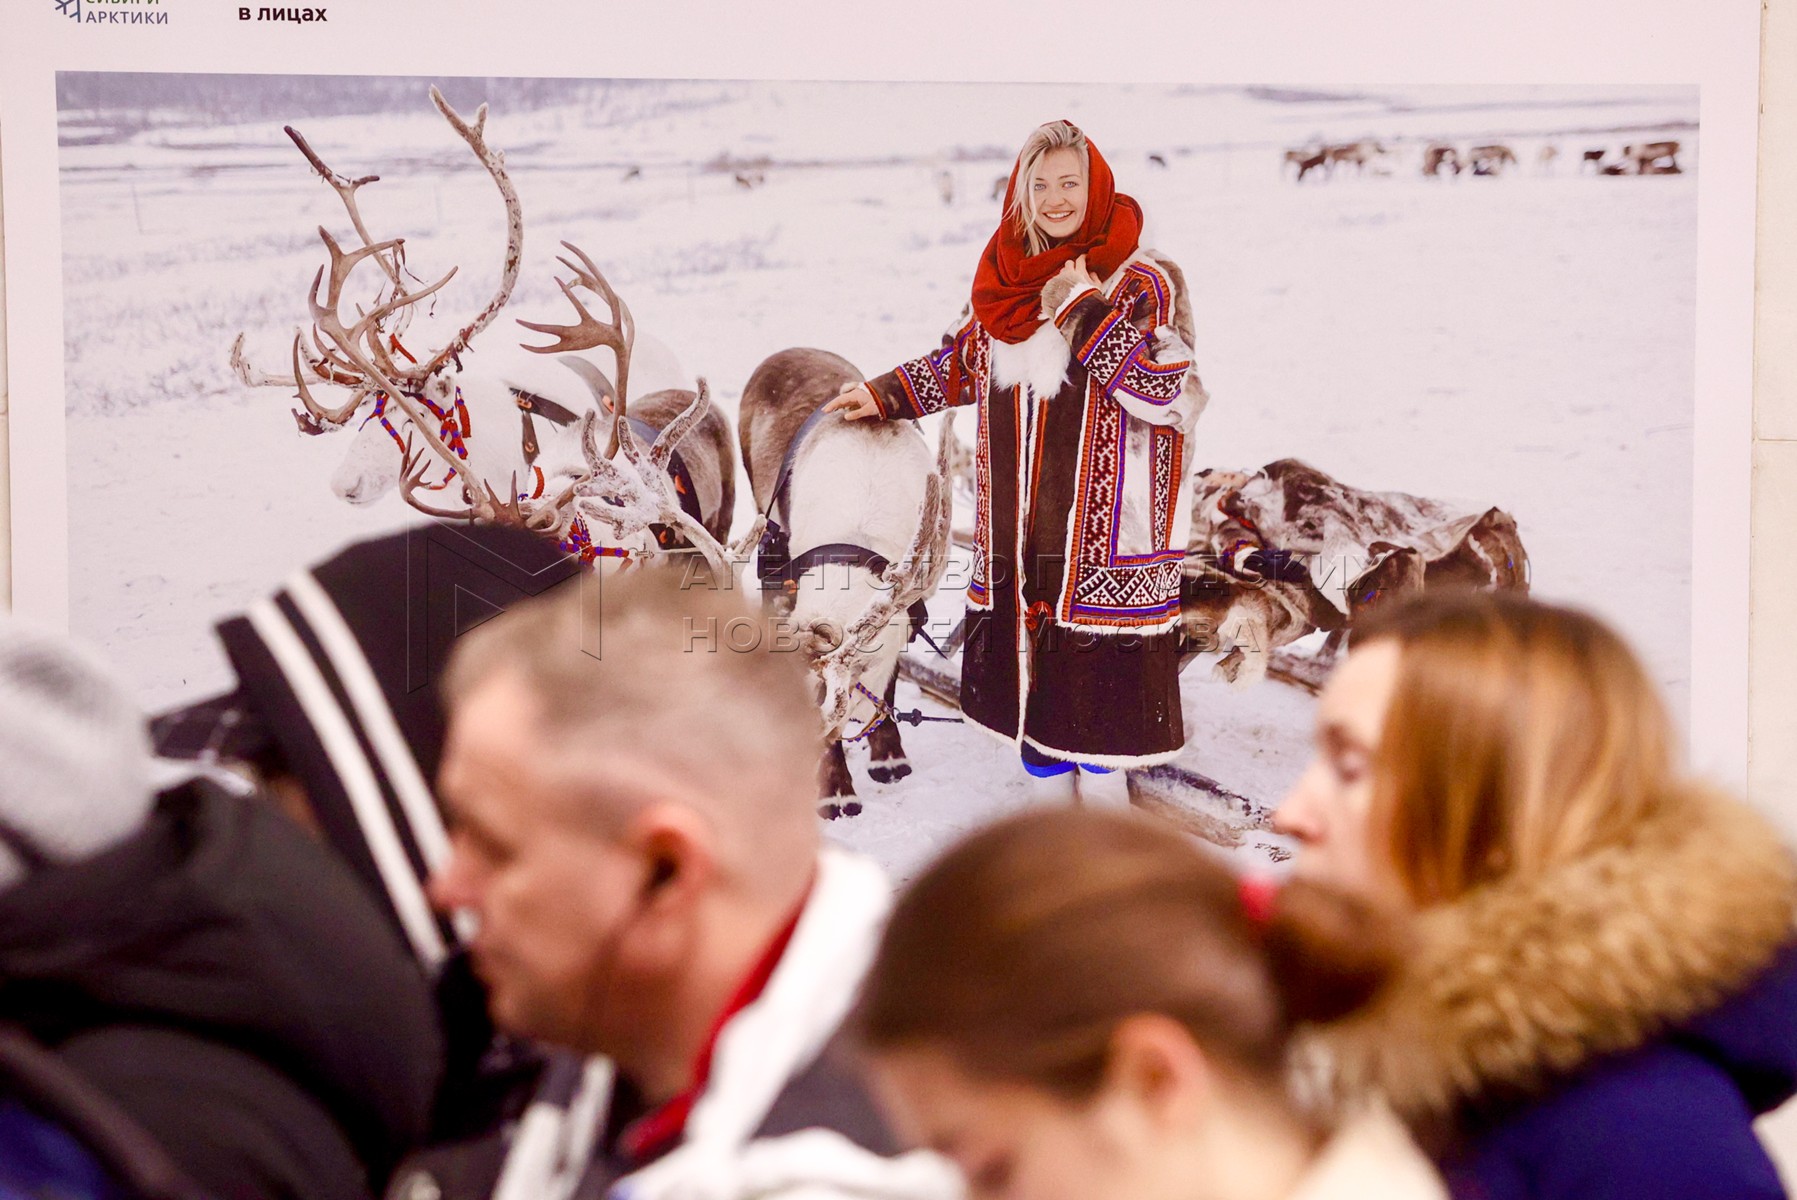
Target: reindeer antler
[619,336]
[494,161]
[251,376]
[412,467]
[483,504]
[346,189]
[676,431]
[316,419]
[358,355]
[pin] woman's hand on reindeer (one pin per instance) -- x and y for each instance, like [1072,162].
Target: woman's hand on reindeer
[855,402]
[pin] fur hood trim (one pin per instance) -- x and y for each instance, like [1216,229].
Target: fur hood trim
[1042,359]
[1520,983]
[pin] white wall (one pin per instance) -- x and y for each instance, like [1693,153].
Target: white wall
[1772,755]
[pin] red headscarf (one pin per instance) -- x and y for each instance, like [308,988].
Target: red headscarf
[1007,288]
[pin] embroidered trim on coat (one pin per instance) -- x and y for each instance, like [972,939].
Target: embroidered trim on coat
[1105,589]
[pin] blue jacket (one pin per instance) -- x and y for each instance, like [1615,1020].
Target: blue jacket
[1673,1118]
[1608,1026]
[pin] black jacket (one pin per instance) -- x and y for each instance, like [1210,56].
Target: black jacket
[225,981]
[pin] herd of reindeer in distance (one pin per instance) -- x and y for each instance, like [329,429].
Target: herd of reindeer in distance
[1443,159]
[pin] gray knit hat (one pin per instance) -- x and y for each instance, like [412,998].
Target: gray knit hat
[75,758]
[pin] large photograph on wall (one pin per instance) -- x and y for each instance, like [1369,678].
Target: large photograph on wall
[1436,336]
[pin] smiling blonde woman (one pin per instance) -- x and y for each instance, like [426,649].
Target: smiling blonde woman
[1075,350]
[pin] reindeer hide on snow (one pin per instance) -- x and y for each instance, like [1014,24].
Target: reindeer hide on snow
[1356,545]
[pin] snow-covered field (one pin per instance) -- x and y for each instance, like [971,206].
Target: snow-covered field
[1525,341]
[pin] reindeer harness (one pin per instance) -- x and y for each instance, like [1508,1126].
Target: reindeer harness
[780,572]
[455,427]
[884,712]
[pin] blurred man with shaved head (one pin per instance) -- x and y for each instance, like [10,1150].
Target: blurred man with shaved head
[628,776]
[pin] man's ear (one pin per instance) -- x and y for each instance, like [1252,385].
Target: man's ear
[676,850]
[1155,1062]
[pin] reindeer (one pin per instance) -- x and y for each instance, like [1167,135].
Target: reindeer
[437,419]
[653,500]
[945,186]
[1356,153]
[1653,158]
[549,394]
[688,484]
[865,517]
[364,357]
[1441,157]
[1491,159]
[1306,161]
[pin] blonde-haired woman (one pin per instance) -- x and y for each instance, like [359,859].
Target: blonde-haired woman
[1079,1006]
[1075,350]
[1604,994]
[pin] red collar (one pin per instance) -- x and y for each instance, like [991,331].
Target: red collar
[661,1128]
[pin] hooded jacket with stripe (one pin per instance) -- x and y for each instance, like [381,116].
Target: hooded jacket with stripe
[341,667]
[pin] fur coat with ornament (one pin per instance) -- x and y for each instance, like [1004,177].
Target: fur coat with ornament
[1082,513]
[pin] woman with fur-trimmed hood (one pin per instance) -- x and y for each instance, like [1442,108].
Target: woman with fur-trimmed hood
[1076,351]
[1603,991]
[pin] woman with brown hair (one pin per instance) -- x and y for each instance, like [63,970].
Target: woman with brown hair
[1088,1005]
[1603,993]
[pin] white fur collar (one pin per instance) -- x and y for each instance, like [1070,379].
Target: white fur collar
[1041,359]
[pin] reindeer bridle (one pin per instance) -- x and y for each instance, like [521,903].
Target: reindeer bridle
[454,428]
[881,715]
[884,712]
[909,582]
[579,543]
